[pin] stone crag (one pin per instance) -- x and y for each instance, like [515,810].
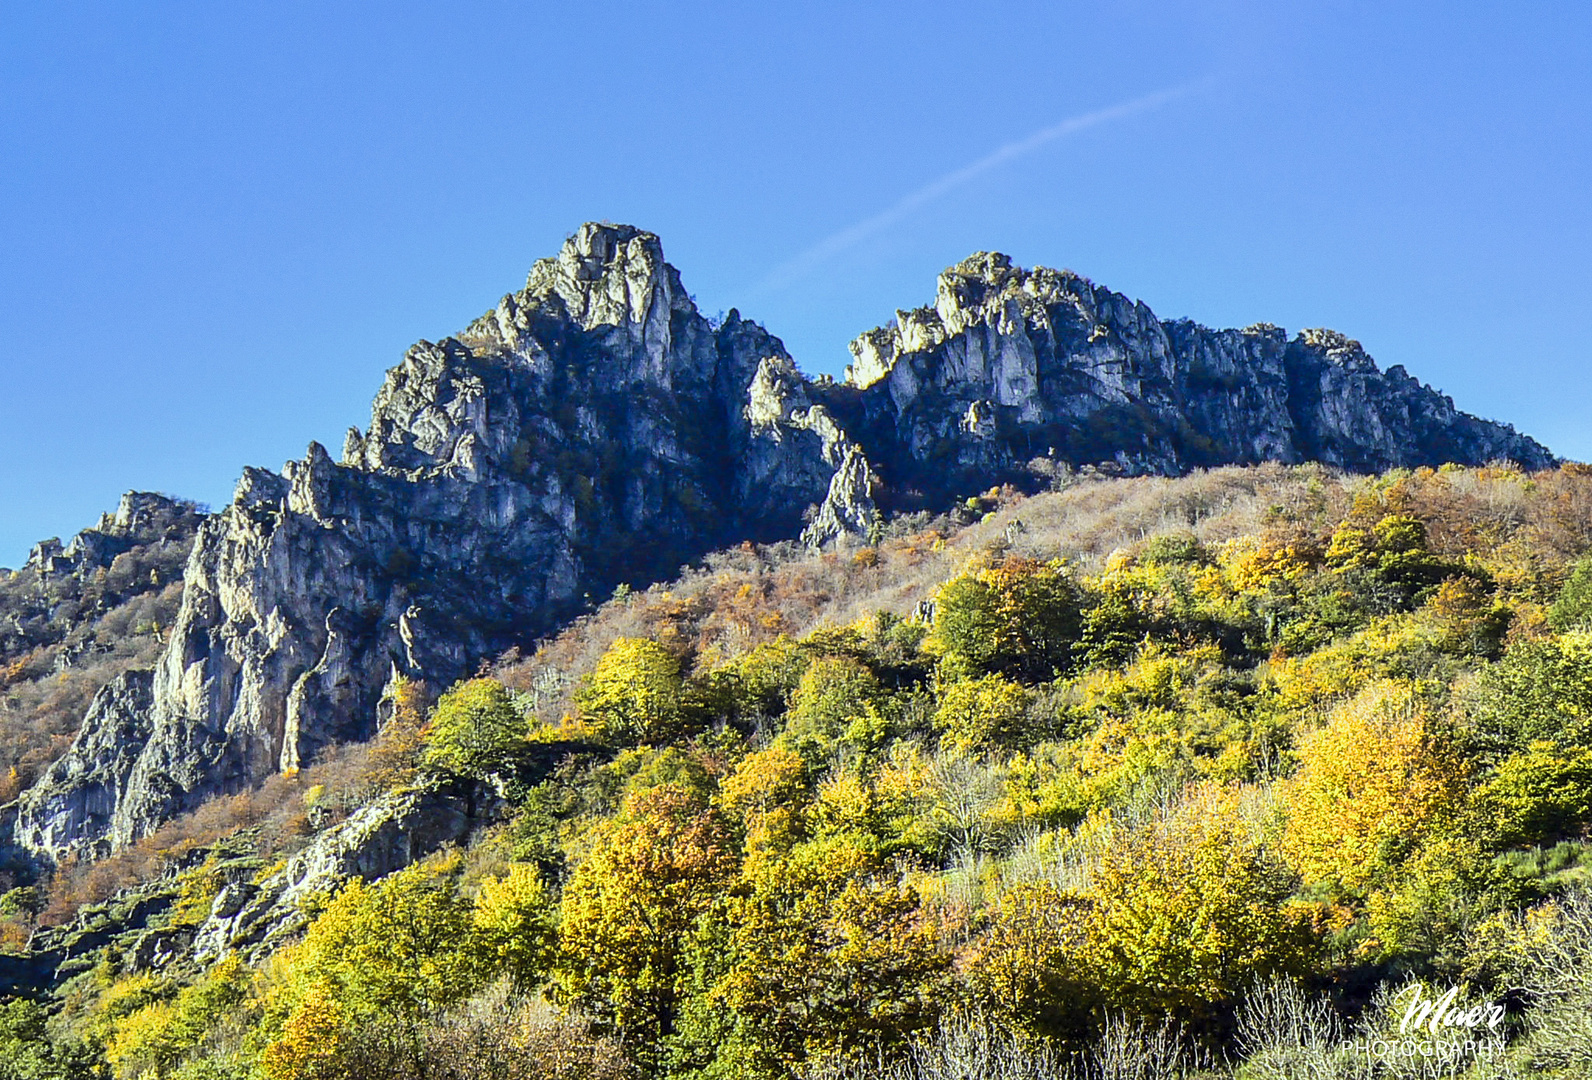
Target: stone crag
[1010,365]
[595,428]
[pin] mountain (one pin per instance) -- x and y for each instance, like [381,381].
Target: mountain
[78,615]
[595,429]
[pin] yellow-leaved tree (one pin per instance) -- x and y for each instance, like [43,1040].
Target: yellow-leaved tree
[151,1040]
[1371,784]
[1025,967]
[979,715]
[818,951]
[636,695]
[1188,910]
[647,874]
[397,751]
[475,730]
[513,926]
[382,957]
[835,710]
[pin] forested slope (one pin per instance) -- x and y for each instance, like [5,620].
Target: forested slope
[1192,775]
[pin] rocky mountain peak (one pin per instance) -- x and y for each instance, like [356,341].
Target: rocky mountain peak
[140,517]
[594,429]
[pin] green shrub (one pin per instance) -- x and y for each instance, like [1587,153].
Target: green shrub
[475,731]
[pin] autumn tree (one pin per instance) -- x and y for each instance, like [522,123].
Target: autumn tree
[1536,796]
[1391,557]
[1017,617]
[836,707]
[1025,965]
[979,715]
[1540,691]
[1572,610]
[817,952]
[646,877]
[636,695]
[766,791]
[400,744]
[475,731]
[512,927]
[1187,911]
[151,1040]
[1370,785]
[384,955]
[312,1044]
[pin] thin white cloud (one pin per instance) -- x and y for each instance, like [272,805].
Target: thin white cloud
[833,245]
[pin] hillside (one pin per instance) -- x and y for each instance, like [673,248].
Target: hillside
[1138,773]
[1063,687]
[595,430]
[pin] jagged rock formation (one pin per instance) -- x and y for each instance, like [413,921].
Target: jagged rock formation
[595,428]
[61,590]
[1012,364]
[142,517]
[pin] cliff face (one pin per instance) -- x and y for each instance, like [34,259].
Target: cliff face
[595,428]
[1012,364]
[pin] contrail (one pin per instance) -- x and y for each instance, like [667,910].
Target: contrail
[833,245]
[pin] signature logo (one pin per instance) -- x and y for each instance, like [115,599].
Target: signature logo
[1440,1013]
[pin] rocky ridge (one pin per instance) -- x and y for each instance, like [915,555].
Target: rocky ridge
[63,588]
[595,428]
[1010,365]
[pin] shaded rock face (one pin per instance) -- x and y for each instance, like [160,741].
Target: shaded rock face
[595,428]
[81,793]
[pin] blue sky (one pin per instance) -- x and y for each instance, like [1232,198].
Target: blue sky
[220,223]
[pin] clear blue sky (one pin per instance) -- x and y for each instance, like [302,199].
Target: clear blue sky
[220,223]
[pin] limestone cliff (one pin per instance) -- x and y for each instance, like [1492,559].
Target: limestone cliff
[595,428]
[1012,364]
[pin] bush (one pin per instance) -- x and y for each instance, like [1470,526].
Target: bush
[1189,911]
[978,715]
[1537,796]
[1540,692]
[835,708]
[1018,617]
[1370,785]
[1573,608]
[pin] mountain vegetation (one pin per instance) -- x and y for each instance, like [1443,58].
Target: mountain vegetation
[1133,777]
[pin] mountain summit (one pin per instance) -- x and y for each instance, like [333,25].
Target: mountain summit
[595,429]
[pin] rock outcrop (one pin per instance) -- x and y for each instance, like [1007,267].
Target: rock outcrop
[141,518]
[1010,365]
[59,593]
[595,428]
[398,828]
